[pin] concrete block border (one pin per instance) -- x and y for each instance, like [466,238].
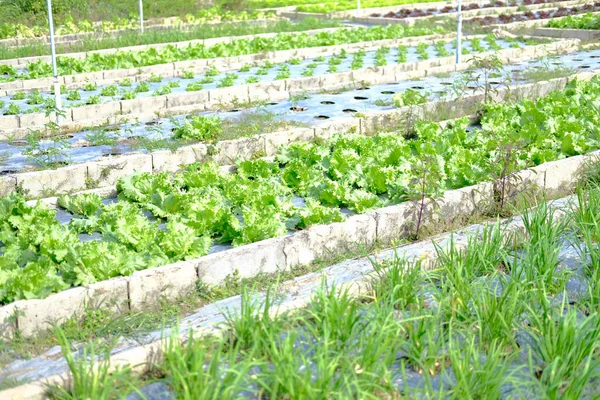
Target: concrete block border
[384,225]
[277,90]
[581,34]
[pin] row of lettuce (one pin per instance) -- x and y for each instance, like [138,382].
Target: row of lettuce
[71,26]
[237,47]
[164,218]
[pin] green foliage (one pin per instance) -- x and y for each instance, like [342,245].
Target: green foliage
[198,127]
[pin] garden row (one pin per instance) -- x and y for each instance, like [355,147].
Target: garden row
[144,56]
[175,37]
[507,311]
[215,130]
[19,34]
[502,275]
[352,59]
[305,185]
[409,16]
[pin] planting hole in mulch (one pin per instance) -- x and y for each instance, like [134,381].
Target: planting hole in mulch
[298,108]
[328,102]
[363,88]
[349,111]
[321,117]
[417,87]
[360,98]
[234,110]
[387,92]
[153,123]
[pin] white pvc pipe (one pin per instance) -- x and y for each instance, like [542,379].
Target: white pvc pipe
[53,53]
[357,8]
[458,33]
[141,7]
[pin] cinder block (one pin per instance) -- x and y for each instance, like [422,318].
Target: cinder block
[143,105]
[8,122]
[325,241]
[273,141]
[229,151]
[39,315]
[265,256]
[187,99]
[48,182]
[170,161]
[263,91]
[112,294]
[38,83]
[229,95]
[342,125]
[8,184]
[306,83]
[395,222]
[164,70]
[561,176]
[87,77]
[96,111]
[107,172]
[8,321]
[148,287]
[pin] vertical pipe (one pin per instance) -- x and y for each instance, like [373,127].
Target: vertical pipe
[53,53]
[458,33]
[357,8]
[141,6]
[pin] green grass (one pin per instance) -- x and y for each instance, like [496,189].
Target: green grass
[203,31]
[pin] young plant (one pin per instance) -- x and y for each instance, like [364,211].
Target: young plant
[73,95]
[109,91]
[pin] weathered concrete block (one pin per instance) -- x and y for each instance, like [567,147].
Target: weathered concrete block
[164,70]
[229,151]
[265,256]
[8,122]
[483,196]
[144,105]
[108,171]
[96,111]
[373,123]
[148,287]
[38,83]
[328,129]
[8,321]
[38,315]
[308,83]
[38,120]
[112,294]
[8,184]
[229,95]
[47,182]
[80,78]
[273,141]
[395,222]
[119,73]
[263,91]
[455,205]
[167,160]
[187,99]
[561,176]
[326,241]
